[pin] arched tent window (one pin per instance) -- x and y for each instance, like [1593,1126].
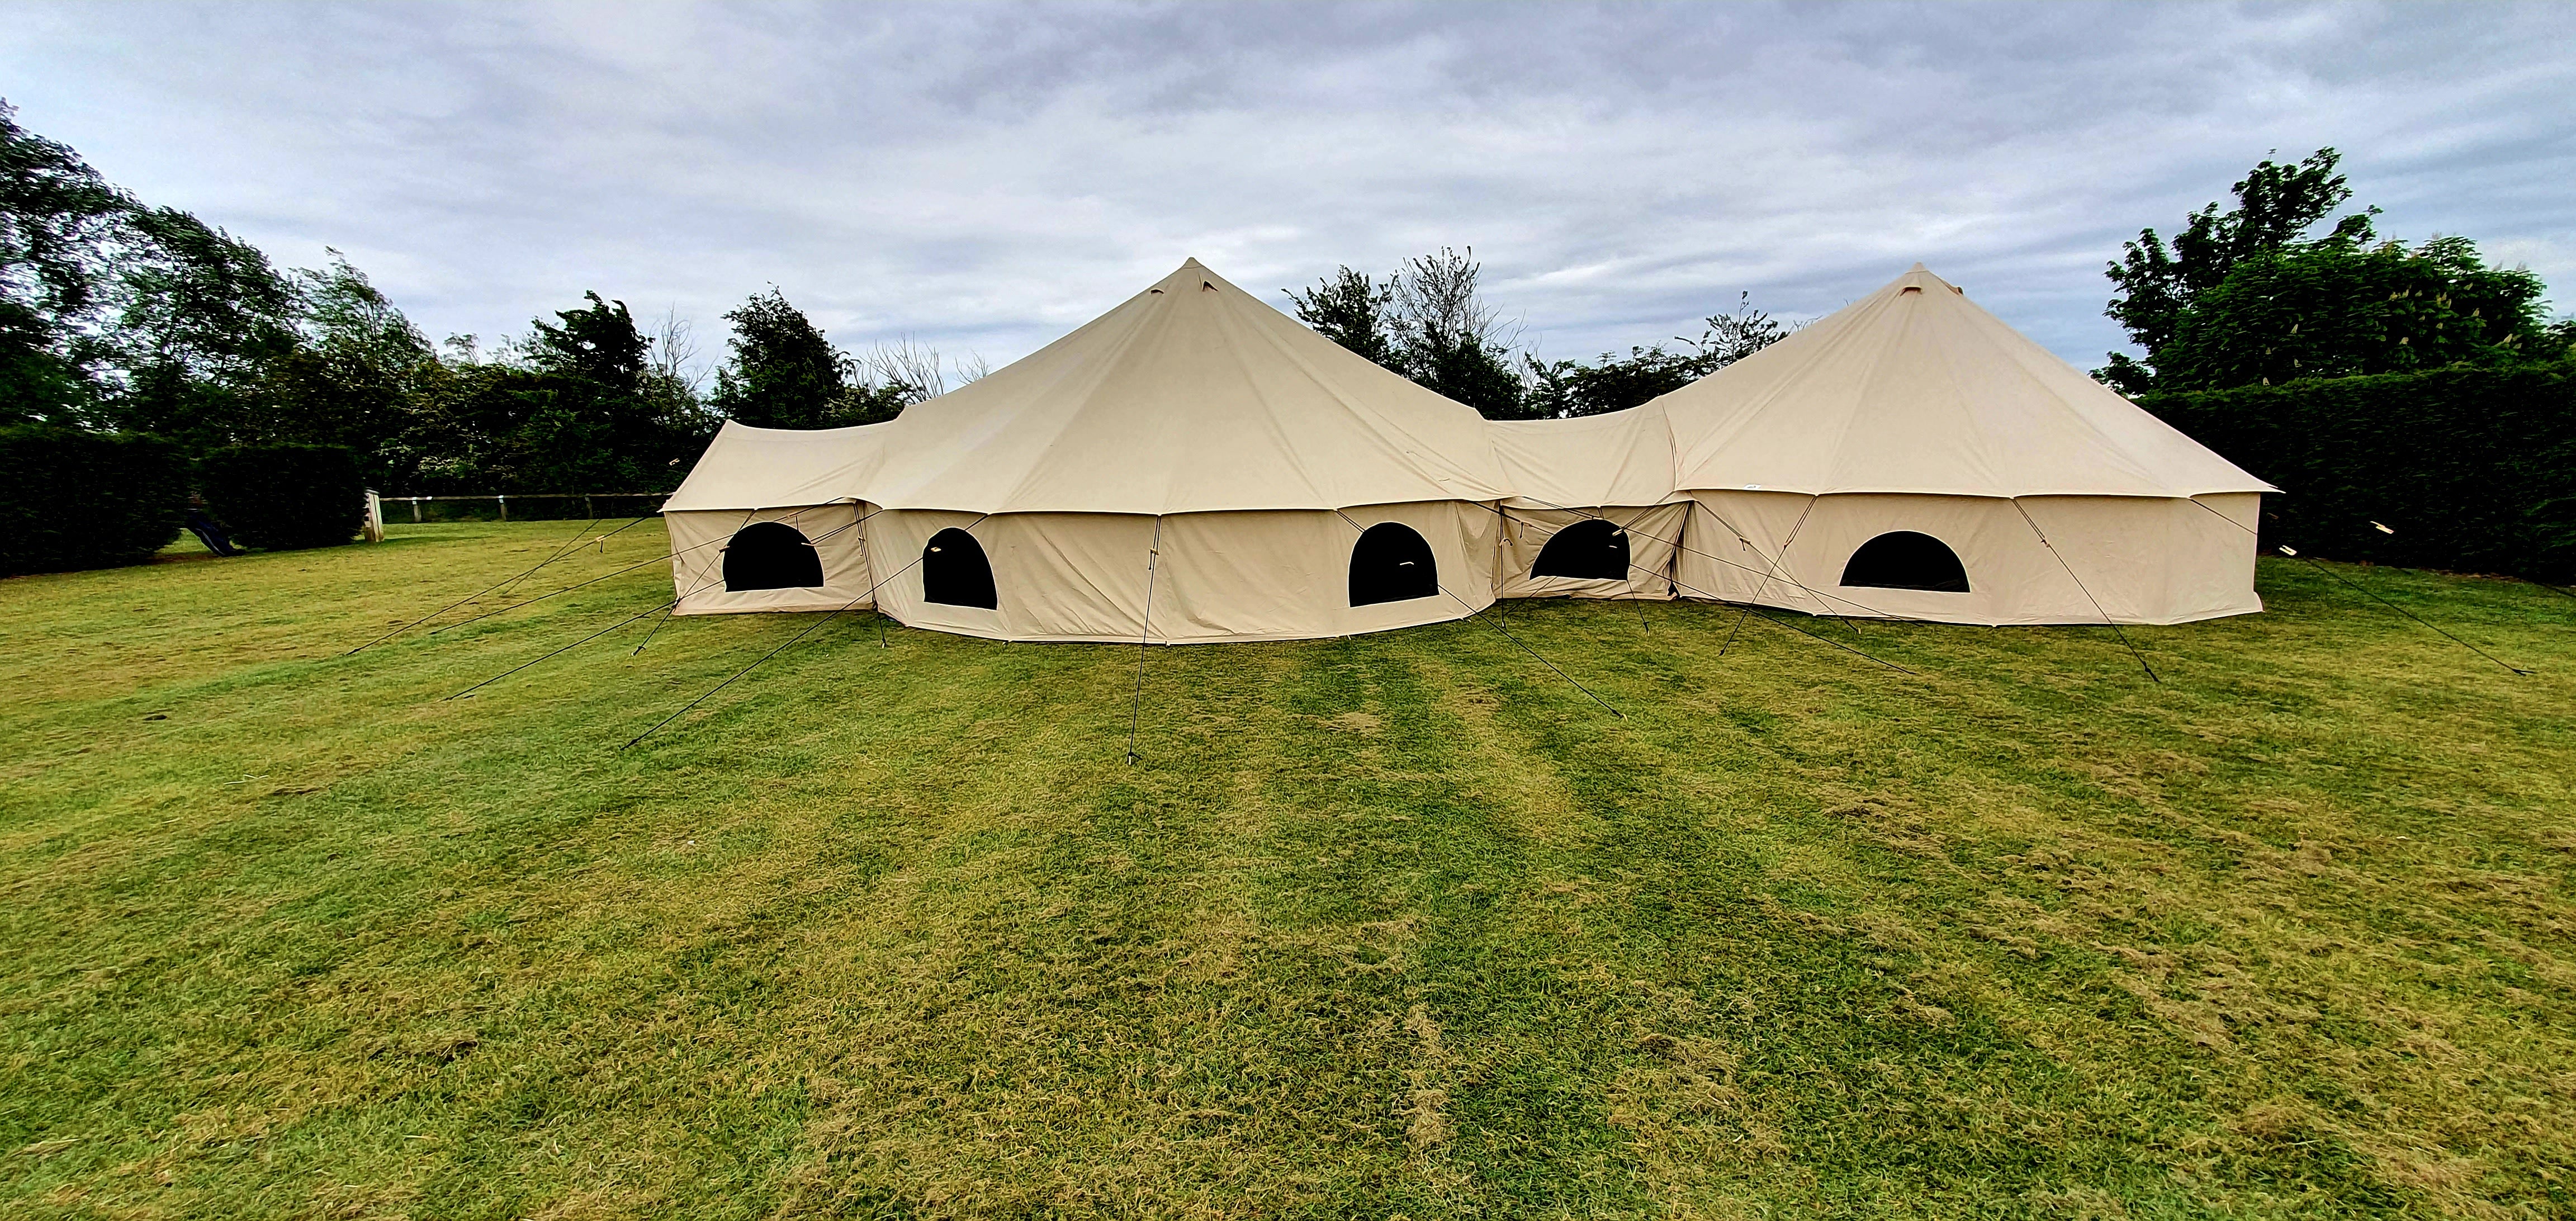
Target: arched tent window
[954,571]
[770,555]
[1391,563]
[1591,550]
[1907,560]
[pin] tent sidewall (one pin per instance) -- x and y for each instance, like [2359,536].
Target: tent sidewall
[1250,575]
[1654,539]
[698,539]
[2135,559]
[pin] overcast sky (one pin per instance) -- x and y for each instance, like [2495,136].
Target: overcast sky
[988,177]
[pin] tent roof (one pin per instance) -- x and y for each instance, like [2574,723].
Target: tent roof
[1617,458]
[1192,396]
[1913,388]
[772,468]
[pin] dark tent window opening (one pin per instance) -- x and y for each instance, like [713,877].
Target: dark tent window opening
[771,555]
[1593,550]
[954,571]
[1907,560]
[1391,563]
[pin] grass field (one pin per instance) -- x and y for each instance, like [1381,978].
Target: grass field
[1395,925]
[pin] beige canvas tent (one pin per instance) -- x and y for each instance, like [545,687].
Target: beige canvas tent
[1912,456]
[1192,448]
[1195,466]
[1593,512]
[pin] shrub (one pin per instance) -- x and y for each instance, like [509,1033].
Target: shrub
[2473,469]
[72,499]
[281,497]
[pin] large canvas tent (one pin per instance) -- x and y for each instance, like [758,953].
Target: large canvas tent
[1192,448]
[1196,466]
[1912,456]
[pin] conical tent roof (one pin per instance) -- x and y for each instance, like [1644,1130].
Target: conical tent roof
[1192,396]
[1913,388]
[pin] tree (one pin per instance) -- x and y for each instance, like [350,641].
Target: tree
[1426,322]
[1350,309]
[1564,388]
[785,374]
[117,314]
[599,420]
[669,393]
[891,376]
[576,406]
[1449,339]
[198,314]
[352,377]
[57,218]
[2336,309]
[599,345]
[2276,205]
[1740,332]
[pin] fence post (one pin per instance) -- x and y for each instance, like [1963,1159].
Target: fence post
[505,507]
[375,517]
[415,510]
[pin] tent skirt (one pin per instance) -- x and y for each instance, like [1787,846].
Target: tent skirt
[1286,574]
[1252,575]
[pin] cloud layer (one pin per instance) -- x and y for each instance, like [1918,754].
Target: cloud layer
[987,177]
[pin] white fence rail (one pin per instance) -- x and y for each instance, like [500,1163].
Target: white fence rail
[635,502]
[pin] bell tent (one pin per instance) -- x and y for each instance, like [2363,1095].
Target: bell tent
[1912,456]
[1192,448]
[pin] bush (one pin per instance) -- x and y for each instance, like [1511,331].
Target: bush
[72,499]
[2474,469]
[281,497]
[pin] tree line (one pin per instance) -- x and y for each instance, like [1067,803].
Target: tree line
[120,316]
[2256,295]
[2252,295]
[1428,321]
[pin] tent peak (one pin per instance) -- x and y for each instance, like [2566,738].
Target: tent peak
[1190,274]
[1919,277]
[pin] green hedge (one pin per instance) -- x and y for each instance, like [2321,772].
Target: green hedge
[2474,469]
[280,497]
[72,499]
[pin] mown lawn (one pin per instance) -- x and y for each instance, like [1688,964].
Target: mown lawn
[1400,924]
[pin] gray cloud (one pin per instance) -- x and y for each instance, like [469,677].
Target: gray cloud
[986,177]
